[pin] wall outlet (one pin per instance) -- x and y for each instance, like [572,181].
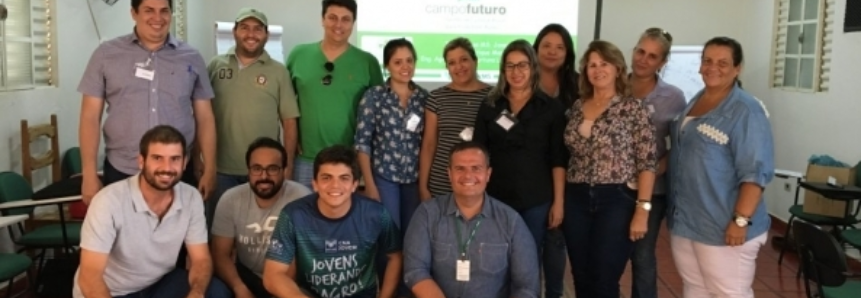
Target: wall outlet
[787,187]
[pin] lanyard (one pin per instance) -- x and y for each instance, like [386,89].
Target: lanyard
[463,246]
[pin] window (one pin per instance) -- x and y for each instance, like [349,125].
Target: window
[25,45]
[802,44]
[177,25]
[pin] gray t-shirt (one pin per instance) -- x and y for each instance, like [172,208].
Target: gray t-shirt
[141,249]
[238,216]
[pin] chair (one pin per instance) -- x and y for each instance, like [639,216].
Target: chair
[49,158]
[823,262]
[797,212]
[12,265]
[71,164]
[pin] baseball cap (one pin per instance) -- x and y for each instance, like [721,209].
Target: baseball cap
[248,12]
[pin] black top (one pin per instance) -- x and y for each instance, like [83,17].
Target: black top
[523,157]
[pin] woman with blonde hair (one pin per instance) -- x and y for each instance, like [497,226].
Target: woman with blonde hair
[612,144]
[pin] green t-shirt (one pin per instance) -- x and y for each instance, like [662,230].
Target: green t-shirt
[249,103]
[329,112]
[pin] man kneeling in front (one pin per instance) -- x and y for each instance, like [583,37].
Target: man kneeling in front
[468,244]
[135,228]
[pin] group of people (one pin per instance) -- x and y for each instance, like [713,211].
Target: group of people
[469,190]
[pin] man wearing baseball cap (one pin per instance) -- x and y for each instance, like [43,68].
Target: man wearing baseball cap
[253,93]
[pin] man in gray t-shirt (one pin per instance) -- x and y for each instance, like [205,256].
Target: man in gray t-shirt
[134,230]
[246,215]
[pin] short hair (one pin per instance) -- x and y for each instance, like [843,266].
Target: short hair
[266,142]
[466,145]
[137,4]
[501,89]
[610,53]
[337,154]
[460,42]
[662,37]
[162,134]
[348,4]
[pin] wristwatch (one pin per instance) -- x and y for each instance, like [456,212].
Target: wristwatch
[646,205]
[742,221]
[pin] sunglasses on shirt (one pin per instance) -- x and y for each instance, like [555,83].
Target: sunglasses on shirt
[327,80]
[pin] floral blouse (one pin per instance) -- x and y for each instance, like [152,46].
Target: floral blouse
[390,134]
[621,145]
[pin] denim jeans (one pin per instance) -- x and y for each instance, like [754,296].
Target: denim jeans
[223,182]
[401,201]
[303,172]
[596,225]
[555,256]
[174,284]
[536,221]
[644,273]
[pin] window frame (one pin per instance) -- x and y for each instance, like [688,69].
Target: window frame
[32,40]
[779,55]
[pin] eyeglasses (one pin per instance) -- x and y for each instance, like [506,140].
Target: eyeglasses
[327,80]
[522,66]
[271,170]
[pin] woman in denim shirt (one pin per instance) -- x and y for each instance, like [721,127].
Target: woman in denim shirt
[722,157]
[388,134]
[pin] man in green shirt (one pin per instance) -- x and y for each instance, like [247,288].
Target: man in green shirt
[330,76]
[254,97]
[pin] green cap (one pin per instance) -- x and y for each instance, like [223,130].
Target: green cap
[248,12]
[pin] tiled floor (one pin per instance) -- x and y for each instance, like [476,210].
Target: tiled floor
[771,280]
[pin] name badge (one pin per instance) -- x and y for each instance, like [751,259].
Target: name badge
[144,73]
[413,122]
[651,109]
[466,134]
[667,142]
[462,270]
[505,120]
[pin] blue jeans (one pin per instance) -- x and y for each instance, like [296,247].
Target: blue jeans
[596,225]
[643,264]
[223,182]
[555,256]
[303,172]
[174,284]
[401,201]
[536,221]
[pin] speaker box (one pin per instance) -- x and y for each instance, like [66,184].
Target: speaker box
[852,20]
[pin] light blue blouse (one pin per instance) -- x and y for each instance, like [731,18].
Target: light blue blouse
[710,157]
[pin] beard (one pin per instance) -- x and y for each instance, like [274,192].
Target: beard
[266,194]
[251,52]
[153,181]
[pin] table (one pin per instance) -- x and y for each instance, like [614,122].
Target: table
[35,203]
[843,193]
[11,220]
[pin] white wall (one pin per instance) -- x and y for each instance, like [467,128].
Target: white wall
[805,124]
[76,39]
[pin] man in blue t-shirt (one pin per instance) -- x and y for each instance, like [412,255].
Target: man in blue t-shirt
[325,244]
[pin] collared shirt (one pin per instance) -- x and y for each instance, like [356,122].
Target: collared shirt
[621,146]
[664,103]
[249,103]
[329,111]
[140,247]
[712,156]
[385,132]
[502,255]
[524,155]
[136,104]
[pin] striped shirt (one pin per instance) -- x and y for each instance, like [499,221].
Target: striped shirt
[455,111]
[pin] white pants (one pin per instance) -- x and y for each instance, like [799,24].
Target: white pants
[716,271]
